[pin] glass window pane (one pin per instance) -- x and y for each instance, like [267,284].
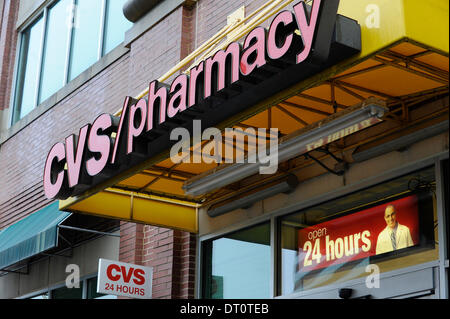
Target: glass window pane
[54,59]
[238,265]
[391,225]
[86,36]
[92,289]
[41,296]
[68,293]
[446,185]
[28,70]
[115,25]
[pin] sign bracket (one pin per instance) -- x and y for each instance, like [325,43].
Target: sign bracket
[340,167]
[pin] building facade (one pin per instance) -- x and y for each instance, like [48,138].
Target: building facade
[352,96]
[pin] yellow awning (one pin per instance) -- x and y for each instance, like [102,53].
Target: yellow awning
[404,60]
[137,207]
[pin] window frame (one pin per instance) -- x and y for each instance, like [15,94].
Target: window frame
[49,291]
[275,231]
[208,241]
[43,13]
[17,65]
[442,196]
[426,239]
[100,42]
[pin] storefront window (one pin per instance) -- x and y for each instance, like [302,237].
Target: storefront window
[28,69]
[115,23]
[85,43]
[391,225]
[54,58]
[446,181]
[238,265]
[41,296]
[87,290]
[92,289]
[68,293]
[58,47]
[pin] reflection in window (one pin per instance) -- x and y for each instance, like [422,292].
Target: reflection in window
[54,58]
[41,296]
[238,265]
[86,34]
[68,293]
[92,289]
[28,70]
[86,290]
[115,23]
[335,241]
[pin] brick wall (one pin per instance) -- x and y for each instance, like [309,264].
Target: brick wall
[159,254]
[155,53]
[131,243]
[188,31]
[212,15]
[184,264]
[8,39]
[170,252]
[22,157]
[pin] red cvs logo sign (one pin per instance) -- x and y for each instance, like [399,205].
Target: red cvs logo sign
[123,279]
[115,272]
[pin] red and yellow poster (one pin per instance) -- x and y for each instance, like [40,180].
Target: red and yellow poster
[373,231]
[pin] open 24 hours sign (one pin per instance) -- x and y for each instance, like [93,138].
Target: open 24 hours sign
[360,235]
[123,279]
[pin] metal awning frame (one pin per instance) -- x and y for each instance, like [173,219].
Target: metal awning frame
[60,253]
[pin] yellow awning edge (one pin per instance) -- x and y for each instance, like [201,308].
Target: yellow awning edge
[137,207]
[386,22]
[427,23]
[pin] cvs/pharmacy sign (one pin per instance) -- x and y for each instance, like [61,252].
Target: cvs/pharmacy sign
[122,279]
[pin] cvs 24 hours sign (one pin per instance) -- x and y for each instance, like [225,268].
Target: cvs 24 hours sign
[122,279]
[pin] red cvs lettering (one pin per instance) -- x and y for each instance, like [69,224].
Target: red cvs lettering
[115,272]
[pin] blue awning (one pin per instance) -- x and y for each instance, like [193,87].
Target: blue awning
[30,236]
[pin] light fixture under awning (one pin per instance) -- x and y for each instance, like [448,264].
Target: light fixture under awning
[311,137]
[30,236]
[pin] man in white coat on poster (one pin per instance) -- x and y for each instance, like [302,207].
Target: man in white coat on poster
[394,236]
